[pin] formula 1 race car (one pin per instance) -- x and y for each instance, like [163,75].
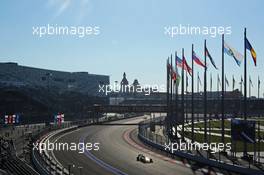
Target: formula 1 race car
[144,159]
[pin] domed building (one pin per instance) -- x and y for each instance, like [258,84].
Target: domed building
[136,86]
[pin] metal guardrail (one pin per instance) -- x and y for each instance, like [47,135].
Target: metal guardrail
[159,144]
[44,163]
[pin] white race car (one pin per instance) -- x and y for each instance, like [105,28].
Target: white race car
[144,159]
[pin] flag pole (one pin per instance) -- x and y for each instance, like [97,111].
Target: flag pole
[241,91]
[176,97]
[250,84]
[186,91]
[241,85]
[198,83]
[205,96]
[210,113]
[167,117]
[187,83]
[182,93]
[218,96]
[198,93]
[223,94]
[192,100]
[233,83]
[258,125]
[171,95]
[225,83]
[258,86]
[245,87]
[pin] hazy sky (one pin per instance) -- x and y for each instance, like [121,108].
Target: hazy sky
[131,38]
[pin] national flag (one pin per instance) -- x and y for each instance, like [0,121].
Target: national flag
[241,81]
[252,51]
[210,57]
[250,82]
[238,57]
[197,60]
[178,77]
[14,119]
[226,81]
[178,80]
[17,118]
[62,118]
[179,62]
[173,74]
[10,119]
[169,66]
[218,79]
[199,80]
[234,82]
[6,119]
[258,82]
[186,66]
[183,64]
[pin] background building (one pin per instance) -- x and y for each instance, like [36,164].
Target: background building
[38,94]
[14,75]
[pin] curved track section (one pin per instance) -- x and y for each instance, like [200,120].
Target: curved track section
[115,156]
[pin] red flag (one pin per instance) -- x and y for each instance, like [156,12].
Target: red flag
[187,67]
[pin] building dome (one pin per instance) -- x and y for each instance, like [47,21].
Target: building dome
[135,83]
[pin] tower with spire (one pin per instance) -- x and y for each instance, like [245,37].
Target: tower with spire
[124,85]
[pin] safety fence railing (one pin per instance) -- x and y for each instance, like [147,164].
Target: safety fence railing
[45,163]
[160,142]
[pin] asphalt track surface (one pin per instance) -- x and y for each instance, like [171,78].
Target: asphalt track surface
[117,153]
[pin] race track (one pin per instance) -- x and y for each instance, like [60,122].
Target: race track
[115,156]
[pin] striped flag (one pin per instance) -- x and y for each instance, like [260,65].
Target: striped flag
[218,79]
[199,80]
[210,57]
[241,81]
[238,57]
[252,51]
[250,82]
[197,60]
[226,81]
[183,64]
[187,67]
[179,62]
[234,82]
